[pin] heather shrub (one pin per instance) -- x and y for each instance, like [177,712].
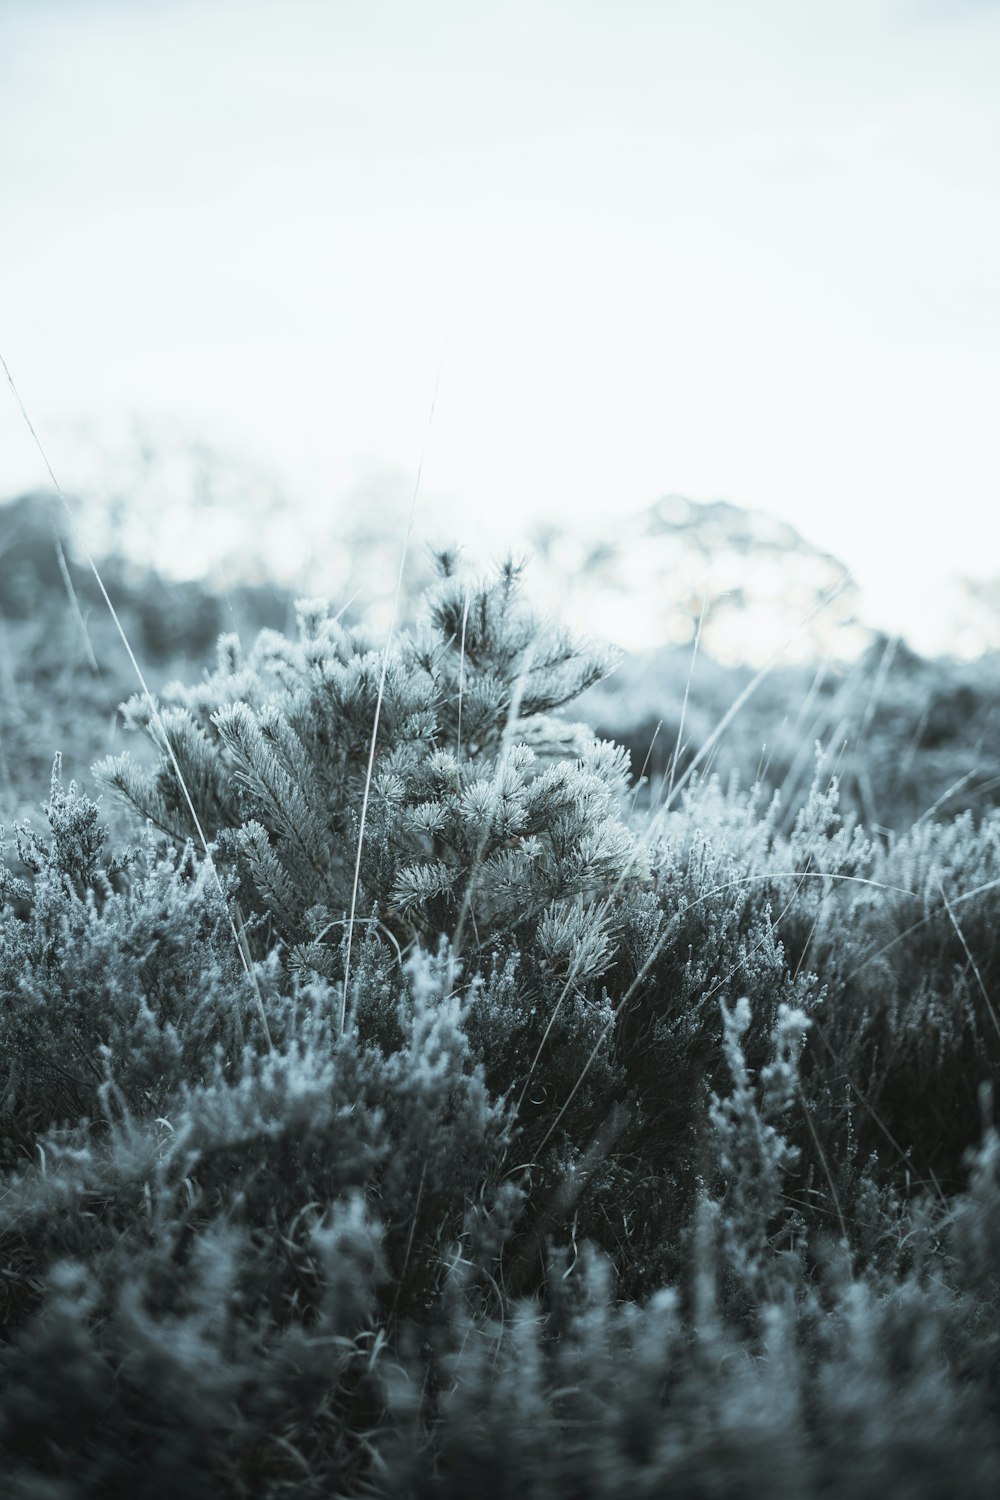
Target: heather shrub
[415,1113]
[912,979]
[115,972]
[755,1373]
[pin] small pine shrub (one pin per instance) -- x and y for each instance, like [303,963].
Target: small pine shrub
[480,826]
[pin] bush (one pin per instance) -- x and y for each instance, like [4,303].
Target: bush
[406,1114]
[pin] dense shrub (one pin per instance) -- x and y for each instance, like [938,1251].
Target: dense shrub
[443,1124]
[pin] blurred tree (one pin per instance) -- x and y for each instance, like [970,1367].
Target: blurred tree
[754,582]
[978,630]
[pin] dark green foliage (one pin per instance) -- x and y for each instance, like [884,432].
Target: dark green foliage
[606,1154]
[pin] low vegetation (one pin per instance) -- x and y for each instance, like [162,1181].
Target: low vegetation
[399,1100]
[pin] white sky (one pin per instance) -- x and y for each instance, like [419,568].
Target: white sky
[744,249]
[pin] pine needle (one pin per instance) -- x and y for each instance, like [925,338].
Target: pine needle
[381,695]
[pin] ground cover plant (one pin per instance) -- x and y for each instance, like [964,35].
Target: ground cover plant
[401,1101]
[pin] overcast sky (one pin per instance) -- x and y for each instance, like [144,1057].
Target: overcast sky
[740,250]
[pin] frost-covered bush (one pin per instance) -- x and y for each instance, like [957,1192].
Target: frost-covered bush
[759,1373]
[487,820]
[916,1022]
[475,819]
[443,1125]
[118,975]
[207,1234]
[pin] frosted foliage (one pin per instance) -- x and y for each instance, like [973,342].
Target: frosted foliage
[753,1155]
[639,1149]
